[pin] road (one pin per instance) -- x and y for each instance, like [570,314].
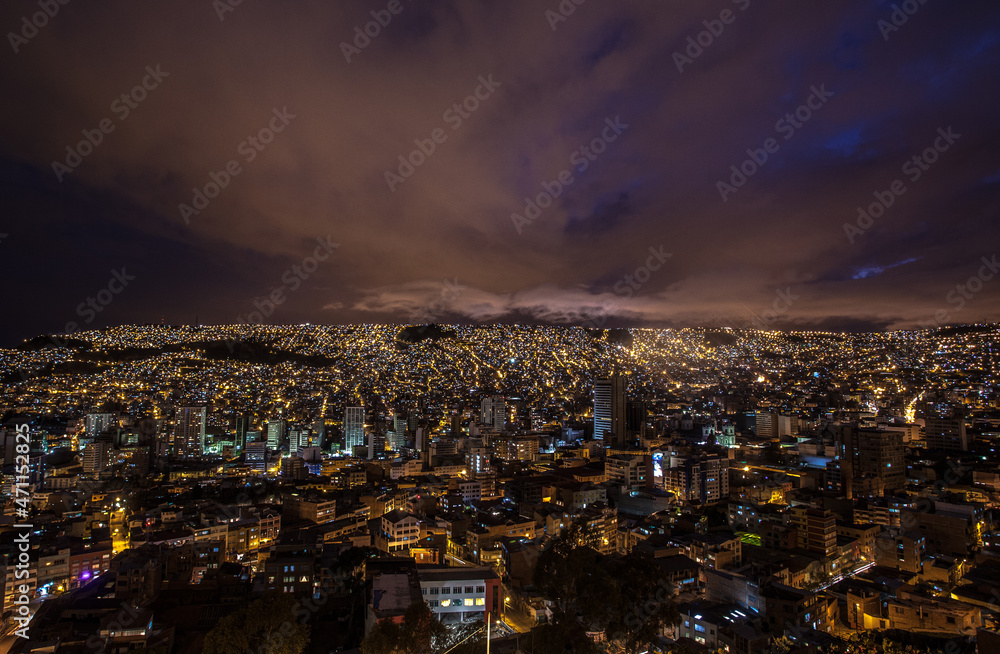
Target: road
[840,577]
[518,621]
[454,560]
[7,642]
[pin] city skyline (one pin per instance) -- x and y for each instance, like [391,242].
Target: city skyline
[400,327]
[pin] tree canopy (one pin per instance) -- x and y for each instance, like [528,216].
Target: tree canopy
[628,598]
[269,624]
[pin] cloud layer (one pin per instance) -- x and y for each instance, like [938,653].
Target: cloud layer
[492,110]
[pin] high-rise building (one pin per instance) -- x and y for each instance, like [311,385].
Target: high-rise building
[609,410]
[397,440]
[397,435]
[704,479]
[767,424]
[189,431]
[96,457]
[632,471]
[376,443]
[787,425]
[635,419]
[354,427]
[871,453]
[298,439]
[95,423]
[319,429]
[399,422]
[256,455]
[946,434]
[816,530]
[537,419]
[493,412]
[522,448]
[275,433]
[242,426]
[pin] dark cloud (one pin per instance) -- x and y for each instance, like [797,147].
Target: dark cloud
[552,91]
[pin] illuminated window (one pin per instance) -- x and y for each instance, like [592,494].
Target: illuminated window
[480,601]
[445,603]
[467,602]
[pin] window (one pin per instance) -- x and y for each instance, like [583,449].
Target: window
[480,589]
[480,601]
[432,603]
[423,591]
[446,591]
[445,603]
[467,602]
[434,591]
[699,628]
[469,590]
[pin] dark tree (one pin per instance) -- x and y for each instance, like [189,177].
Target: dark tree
[418,633]
[268,624]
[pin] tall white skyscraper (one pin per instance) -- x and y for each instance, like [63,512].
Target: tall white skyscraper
[354,427]
[275,432]
[299,439]
[609,410]
[493,412]
[189,431]
[95,423]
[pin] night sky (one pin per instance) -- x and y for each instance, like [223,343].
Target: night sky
[651,226]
